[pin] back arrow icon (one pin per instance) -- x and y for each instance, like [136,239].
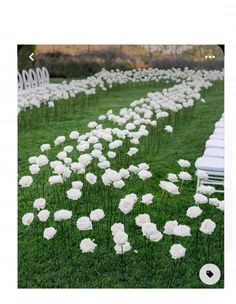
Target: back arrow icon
[31,56]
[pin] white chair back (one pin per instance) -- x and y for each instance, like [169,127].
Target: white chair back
[46,76]
[20,81]
[33,78]
[26,80]
[40,77]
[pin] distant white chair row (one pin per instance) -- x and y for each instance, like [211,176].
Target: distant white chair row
[212,160]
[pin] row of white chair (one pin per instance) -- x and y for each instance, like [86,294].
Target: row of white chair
[212,161]
[32,79]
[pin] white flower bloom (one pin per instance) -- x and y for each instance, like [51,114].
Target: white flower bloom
[182,230]
[133,169]
[194,211]
[172,177]
[49,233]
[74,194]
[169,187]
[156,237]
[96,153]
[61,155]
[34,169]
[26,181]
[200,198]
[91,178]
[117,227]
[84,223]
[62,214]
[74,135]
[185,176]
[59,140]
[119,184]
[177,251]
[214,201]
[221,206]
[184,163]
[43,215]
[168,129]
[147,199]
[87,245]
[148,229]
[111,154]
[143,174]
[92,124]
[77,185]
[202,174]
[207,226]
[97,215]
[126,205]
[124,173]
[42,160]
[68,149]
[169,227]
[39,203]
[55,179]
[120,238]
[121,249]
[27,219]
[32,159]
[143,166]
[132,151]
[142,219]
[85,159]
[207,190]
[45,147]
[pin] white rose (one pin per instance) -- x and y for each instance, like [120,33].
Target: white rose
[74,135]
[42,160]
[184,163]
[182,230]
[126,205]
[121,249]
[43,215]
[27,219]
[143,174]
[142,219]
[26,181]
[55,179]
[34,169]
[177,251]
[97,215]
[120,238]
[207,226]
[45,147]
[172,177]
[132,151]
[87,245]
[62,214]
[84,223]
[68,149]
[168,129]
[111,154]
[207,190]
[39,203]
[148,229]
[169,227]
[194,211]
[74,194]
[77,185]
[202,174]
[156,237]
[49,233]
[200,198]
[91,178]
[119,184]
[185,176]
[147,199]
[117,227]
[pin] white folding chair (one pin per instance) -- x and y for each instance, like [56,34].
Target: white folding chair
[214,167]
[26,80]
[214,143]
[214,152]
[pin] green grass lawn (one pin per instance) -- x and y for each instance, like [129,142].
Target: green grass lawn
[59,263]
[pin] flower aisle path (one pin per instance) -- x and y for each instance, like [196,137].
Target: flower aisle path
[60,263]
